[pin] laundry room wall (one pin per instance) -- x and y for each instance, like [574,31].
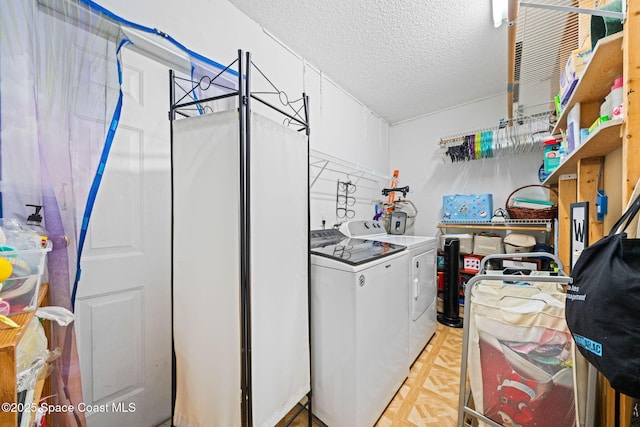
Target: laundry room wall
[415,152]
[341,126]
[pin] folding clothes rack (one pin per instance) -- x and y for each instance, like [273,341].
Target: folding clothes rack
[510,392]
[193,98]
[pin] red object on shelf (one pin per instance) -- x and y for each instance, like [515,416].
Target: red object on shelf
[440,281]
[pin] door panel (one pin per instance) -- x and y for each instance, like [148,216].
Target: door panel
[117,219]
[123,305]
[116,380]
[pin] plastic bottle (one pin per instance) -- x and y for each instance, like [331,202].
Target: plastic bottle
[40,235]
[562,153]
[551,154]
[605,106]
[616,99]
[34,222]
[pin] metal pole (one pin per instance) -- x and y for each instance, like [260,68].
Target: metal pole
[246,100]
[305,99]
[245,340]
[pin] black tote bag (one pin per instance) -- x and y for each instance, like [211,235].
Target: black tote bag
[603,305]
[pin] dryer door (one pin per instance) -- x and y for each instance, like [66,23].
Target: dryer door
[423,278]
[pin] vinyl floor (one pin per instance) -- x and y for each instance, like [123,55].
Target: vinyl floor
[429,396]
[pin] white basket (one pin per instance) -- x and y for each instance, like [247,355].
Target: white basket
[487,245]
[466,242]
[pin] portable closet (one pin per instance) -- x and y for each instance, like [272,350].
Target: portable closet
[240,253]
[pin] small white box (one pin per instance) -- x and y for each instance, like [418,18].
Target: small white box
[519,264]
[471,263]
[466,242]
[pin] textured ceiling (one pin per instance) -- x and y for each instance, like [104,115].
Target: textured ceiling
[401,58]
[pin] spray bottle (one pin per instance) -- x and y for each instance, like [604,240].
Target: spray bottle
[34,222]
[40,236]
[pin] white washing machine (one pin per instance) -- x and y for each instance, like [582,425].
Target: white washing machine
[359,336]
[422,278]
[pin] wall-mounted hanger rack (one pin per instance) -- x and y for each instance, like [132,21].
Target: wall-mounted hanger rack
[326,171]
[510,137]
[323,164]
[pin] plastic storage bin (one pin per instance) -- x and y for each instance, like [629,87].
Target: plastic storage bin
[19,293]
[22,263]
[467,208]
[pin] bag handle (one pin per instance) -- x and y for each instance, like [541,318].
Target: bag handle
[627,217]
[506,203]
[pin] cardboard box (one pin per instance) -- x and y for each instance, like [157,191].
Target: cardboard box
[520,202]
[471,263]
[573,128]
[573,70]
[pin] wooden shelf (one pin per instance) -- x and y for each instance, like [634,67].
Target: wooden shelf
[605,65]
[615,142]
[9,339]
[603,141]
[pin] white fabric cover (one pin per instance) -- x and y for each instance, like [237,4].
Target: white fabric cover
[207,265]
[279,253]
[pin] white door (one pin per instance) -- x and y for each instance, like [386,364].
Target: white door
[123,304]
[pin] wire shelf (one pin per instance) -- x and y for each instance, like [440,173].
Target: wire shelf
[506,222]
[546,33]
